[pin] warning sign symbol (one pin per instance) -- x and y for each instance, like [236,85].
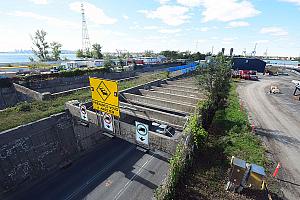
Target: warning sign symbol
[103,91]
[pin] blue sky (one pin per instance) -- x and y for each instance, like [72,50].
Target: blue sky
[157,25]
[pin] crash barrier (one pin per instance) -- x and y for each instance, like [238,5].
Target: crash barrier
[184,68]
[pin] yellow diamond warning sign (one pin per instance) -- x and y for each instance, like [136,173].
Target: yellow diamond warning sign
[105,96]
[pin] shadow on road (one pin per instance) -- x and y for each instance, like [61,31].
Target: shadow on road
[278,136]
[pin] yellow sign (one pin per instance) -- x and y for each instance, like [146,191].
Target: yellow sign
[105,96]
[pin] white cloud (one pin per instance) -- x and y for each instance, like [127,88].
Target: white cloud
[169,31]
[41,2]
[151,27]
[229,40]
[236,24]
[50,20]
[262,41]
[164,1]
[225,10]
[274,31]
[297,2]
[93,13]
[204,29]
[125,17]
[171,15]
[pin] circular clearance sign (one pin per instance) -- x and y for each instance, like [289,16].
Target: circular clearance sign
[142,130]
[83,109]
[107,118]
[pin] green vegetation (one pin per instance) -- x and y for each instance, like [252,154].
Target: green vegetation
[229,135]
[28,112]
[173,55]
[41,47]
[94,53]
[238,139]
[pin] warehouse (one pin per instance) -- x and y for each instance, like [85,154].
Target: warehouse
[249,64]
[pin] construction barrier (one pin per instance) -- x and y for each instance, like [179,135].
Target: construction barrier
[184,68]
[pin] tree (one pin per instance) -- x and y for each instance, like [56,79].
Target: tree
[215,78]
[107,62]
[96,51]
[56,50]
[148,53]
[79,53]
[41,46]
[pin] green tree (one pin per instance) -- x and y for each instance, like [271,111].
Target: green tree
[79,53]
[148,53]
[56,50]
[96,51]
[41,46]
[107,62]
[215,78]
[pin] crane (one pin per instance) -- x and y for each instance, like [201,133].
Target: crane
[254,51]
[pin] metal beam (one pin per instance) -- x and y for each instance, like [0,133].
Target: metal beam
[159,103]
[168,96]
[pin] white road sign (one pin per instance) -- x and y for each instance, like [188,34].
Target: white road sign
[83,113]
[108,122]
[142,134]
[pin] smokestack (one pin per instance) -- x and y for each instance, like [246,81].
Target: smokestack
[223,51]
[231,52]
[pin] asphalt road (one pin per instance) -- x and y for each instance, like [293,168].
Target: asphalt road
[277,119]
[115,170]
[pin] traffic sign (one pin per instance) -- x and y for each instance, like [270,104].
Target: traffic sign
[105,96]
[142,134]
[108,122]
[83,112]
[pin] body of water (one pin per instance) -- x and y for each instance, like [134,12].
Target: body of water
[6,58]
[282,62]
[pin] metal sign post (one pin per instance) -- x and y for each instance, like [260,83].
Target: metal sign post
[83,112]
[142,133]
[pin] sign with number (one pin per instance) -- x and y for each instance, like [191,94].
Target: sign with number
[105,96]
[83,112]
[108,122]
[142,135]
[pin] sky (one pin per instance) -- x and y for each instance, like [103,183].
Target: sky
[136,26]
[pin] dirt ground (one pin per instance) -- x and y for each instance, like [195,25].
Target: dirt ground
[277,120]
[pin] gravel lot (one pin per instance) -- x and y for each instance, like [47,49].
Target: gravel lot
[277,120]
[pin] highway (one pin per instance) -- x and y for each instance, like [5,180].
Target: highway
[276,118]
[114,170]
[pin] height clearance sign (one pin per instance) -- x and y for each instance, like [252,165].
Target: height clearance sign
[105,96]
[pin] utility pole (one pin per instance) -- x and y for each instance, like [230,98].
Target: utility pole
[86,45]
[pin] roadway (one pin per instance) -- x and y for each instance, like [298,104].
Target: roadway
[114,170]
[276,118]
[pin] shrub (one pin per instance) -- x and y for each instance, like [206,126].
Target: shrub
[24,107]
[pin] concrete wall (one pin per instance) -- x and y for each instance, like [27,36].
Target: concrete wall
[35,150]
[68,83]
[9,96]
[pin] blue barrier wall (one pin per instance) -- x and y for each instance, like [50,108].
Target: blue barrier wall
[184,68]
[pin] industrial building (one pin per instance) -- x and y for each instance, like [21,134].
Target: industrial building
[254,64]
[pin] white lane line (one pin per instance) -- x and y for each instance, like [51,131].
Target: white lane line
[131,180]
[81,188]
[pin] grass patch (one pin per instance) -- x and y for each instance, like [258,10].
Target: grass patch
[229,134]
[28,112]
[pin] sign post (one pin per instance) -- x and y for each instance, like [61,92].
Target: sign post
[105,96]
[108,122]
[83,113]
[142,133]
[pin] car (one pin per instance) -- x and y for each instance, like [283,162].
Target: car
[253,77]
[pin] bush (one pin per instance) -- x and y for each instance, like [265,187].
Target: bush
[199,134]
[24,107]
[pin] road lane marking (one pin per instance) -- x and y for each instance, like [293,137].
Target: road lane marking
[106,167]
[132,178]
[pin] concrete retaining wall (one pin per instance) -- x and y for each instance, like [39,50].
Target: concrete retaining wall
[10,96]
[68,83]
[35,150]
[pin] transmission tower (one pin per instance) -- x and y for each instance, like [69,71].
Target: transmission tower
[86,45]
